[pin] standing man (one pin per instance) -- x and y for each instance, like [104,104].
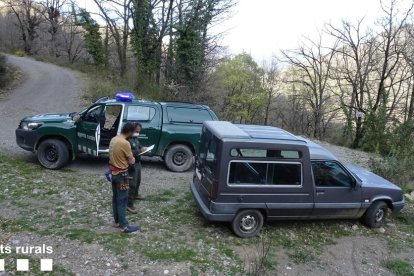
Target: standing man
[120,158]
[135,170]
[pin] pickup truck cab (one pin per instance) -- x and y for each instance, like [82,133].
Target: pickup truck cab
[173,127]
[245,174]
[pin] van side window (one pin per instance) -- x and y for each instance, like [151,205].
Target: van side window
[140,113]
[330,174]
[188,115]
[263,173]
[266,153]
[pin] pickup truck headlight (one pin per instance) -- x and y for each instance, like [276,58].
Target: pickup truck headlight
[29,126]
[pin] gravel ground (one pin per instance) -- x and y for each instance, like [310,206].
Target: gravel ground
[70,210]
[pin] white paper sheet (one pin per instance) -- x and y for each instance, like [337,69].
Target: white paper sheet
[147,150]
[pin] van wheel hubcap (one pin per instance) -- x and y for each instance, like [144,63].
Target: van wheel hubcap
[379,216]
[248,223]
[180,158]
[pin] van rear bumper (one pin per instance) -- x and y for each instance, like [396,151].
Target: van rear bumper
[205,210]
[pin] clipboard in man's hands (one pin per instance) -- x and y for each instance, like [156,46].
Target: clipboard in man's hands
[147,150]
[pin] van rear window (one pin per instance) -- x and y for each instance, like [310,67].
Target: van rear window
[208,150]
[188,115]
[263,153]
[263,173]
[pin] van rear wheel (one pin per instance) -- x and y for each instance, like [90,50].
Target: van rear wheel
[247,223]
[179,158]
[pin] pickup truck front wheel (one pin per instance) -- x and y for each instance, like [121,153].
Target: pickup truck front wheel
[53,154]
[179,158]
[375,216]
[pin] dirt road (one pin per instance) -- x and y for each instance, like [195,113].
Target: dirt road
[46,88]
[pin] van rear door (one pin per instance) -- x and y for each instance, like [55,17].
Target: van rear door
[206,167]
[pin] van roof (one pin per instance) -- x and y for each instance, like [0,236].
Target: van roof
[257,133]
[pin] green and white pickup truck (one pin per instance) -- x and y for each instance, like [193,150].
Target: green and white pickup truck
[173,127]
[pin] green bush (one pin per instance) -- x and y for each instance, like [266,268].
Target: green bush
[5,75]
[398,152]
[19,53]
[396,169]
[399,267]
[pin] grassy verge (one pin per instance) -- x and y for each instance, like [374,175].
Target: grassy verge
[77,207]
[399,267]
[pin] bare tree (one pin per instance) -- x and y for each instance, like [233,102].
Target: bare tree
[313,63]
[29,15]
[408,54]
[53,15]
[353,66]
[71,35]
[389,46]
[117,15]
[272,85]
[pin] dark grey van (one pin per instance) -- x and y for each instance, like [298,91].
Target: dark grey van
[245,174]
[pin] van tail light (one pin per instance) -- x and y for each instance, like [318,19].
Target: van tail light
[213,191]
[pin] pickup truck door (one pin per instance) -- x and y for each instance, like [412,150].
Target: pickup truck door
[149,115]
[88,129]
[336,195]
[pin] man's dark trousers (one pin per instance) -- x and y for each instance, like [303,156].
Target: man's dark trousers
[120,198]
[134,182]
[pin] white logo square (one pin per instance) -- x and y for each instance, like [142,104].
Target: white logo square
[1,265]
[46,265]
[22,265]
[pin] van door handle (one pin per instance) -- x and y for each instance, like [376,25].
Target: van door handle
[320,192]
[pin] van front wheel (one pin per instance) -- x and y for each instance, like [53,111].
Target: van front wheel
[247,223]
[375,216]
[179,158]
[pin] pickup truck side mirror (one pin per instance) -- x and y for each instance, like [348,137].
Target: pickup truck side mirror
[76,118]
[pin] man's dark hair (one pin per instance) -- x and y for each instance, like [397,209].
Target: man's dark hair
[138,124]
[128,128]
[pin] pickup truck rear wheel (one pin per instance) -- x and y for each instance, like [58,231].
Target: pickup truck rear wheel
[53,154]
[375,216]
[179,158]
[247,223]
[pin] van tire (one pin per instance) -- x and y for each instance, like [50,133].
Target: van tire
[247,223]
[53,154]
[179,158]
[375,216]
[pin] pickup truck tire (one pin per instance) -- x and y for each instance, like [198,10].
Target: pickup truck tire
[179,158]
[375,216]
[247,223]
[53,154]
